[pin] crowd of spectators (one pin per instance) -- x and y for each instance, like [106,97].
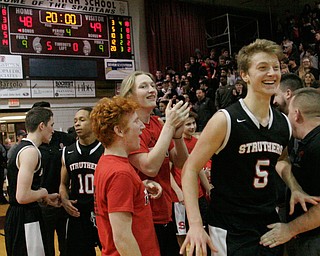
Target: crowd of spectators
[209,81]
[299,35]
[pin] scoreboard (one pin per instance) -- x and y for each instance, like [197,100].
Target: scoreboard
[53,32]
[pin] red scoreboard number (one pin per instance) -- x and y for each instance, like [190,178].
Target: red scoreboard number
[120,35]
[26,21]
[4,27]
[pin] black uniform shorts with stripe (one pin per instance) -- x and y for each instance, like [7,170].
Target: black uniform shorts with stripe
[25,231]
[238,235]
[82,235]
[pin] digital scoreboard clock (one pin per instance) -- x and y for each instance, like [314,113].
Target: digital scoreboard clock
[49,32]
[63,18]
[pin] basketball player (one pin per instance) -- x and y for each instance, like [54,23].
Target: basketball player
[55,218]
[245,141]
[122,204]
[79,162]
[24,227]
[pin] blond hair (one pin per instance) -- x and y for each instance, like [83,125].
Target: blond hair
[128,83]
[260,45]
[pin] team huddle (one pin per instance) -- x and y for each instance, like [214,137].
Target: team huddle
[129,182]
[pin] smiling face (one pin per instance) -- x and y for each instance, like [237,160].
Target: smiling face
[306,63]
[144,92]
[190,127]
[264,74]
[132,132]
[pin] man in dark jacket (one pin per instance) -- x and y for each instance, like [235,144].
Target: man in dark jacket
[204,108]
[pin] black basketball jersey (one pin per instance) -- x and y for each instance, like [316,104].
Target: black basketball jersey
[243,170]
[81,162]
[13,170]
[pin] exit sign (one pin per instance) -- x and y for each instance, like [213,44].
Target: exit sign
[13,102]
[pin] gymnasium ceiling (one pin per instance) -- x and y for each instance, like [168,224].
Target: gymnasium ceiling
[274,6]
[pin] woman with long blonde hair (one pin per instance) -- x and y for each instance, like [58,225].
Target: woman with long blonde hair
[305,67]
[308,79]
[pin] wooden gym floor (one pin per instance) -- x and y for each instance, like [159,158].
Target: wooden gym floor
[3,210]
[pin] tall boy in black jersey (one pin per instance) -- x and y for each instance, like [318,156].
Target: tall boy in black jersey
[55,218]
[79,162]
[246,140]
[24,226]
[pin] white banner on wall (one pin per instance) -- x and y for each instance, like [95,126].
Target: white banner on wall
[64,89]
[118,69]
[42,88]
[10,66]
[85,89]
[94,6]
[15,89]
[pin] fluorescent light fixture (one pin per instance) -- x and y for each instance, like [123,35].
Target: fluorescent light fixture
[9,118]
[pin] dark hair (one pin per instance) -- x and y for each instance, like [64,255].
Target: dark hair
[285,60]
[193,114]
[164,101]
[201,89]
[35,116]
[43,104]
[89,109]
[181,98]
[204,81]
[72,131]
[290,81]
[315,84]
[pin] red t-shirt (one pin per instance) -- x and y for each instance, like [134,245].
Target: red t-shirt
[118,188]
[176,172]
[162,207]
